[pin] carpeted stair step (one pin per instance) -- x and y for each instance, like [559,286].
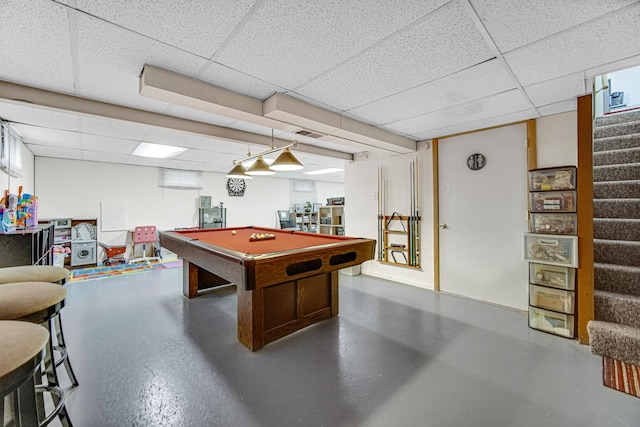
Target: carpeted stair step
[616,190]
[616,142]
[616,208]
[617,252]
[618,129]
[624,172]
[617,157]
[616,229]
[617,308]
[621,342]
[617,278]
[612,119]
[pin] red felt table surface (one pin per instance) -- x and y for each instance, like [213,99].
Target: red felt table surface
[284,241]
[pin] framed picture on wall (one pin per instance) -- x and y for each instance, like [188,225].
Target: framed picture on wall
[316,207]
[297,208]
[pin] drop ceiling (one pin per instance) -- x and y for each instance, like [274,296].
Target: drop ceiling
[372,75]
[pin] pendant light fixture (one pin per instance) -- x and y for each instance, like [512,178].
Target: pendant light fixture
[286,161]
[239,171]
[260,167]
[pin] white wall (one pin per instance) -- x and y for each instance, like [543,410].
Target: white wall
[72,188]
[327,190]
[26,180]
[361,209]
[557,138]
[556,144]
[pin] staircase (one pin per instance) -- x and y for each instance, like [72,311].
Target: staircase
[615,332]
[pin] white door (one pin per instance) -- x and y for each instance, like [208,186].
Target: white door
[483,215]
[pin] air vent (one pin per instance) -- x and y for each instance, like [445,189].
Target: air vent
[309,134]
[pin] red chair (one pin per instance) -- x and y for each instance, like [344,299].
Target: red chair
[141,236]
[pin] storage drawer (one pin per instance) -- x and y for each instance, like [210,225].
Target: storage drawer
[552,275]
[62,223]
[552,201]
[549,249]
[562,178]
[551,299]
[552,322]
[558,223]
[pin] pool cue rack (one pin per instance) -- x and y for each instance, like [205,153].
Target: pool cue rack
[405,253]
[399,235]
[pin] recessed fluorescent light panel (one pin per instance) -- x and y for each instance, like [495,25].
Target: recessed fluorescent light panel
[323,171]
[157,151]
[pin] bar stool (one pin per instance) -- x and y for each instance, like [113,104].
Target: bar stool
[37,302]
[44,273]
[20,358]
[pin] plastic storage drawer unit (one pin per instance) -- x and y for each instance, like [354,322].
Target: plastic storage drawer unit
[551,249]
[551,299]
[552,322]
[552,275]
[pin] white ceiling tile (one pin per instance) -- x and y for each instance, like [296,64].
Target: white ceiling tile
[613,66]
[111,58]
[512,24]
[101,156]
[201,156]
[35,47]
[486,108]
[444,43]
[182,164]
[219,146]
[199,27]
[442,93]
[56,152]
[145,161]
[318,34]
[38,116]
[605,40]
[53,137]
[559,107]
[114,128]
[555,90]
[174,138]
[480,124]
[109,145]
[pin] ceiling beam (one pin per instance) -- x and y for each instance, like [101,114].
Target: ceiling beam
[55,101]
[279,111]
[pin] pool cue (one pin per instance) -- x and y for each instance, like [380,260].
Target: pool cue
[417,211]
[410,217]
[381,242]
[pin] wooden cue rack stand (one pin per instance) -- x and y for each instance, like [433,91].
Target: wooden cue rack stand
[405,253]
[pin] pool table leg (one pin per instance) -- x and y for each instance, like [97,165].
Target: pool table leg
[196,279]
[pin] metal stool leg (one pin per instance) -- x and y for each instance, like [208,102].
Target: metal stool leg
[62,349]
[52,379]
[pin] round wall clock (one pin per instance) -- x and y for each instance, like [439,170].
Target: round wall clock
[476,162]
[236,186]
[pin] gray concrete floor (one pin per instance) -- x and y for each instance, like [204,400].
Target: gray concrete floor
[396,356]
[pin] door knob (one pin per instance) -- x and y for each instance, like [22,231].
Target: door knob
[443,225]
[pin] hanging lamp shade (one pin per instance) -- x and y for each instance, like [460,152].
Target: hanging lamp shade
[238,171]
[286,161]
[260,167]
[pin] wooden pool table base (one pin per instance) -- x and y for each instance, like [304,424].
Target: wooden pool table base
[268,313]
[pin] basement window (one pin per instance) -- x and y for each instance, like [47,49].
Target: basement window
[10,151]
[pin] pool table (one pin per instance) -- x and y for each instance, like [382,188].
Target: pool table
[284,284]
